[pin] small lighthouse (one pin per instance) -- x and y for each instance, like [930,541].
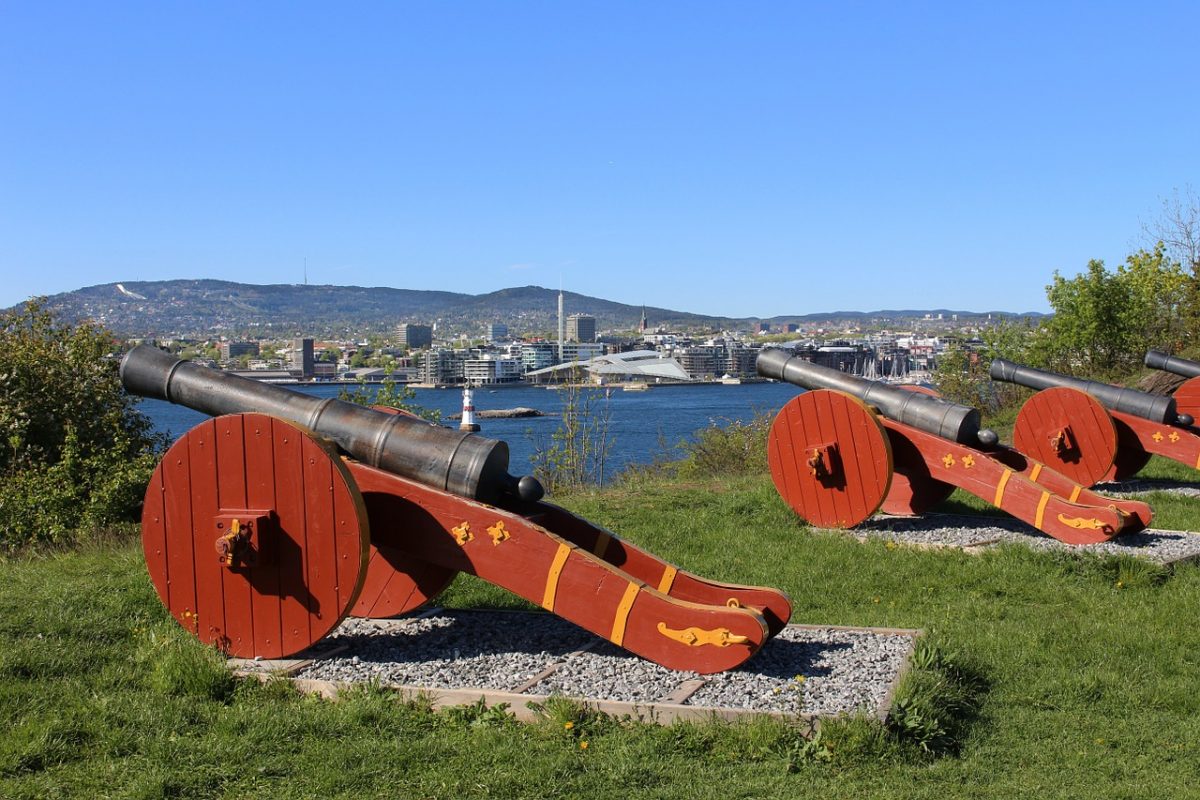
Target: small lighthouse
[468,422]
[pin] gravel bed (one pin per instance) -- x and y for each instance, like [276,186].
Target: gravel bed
[938,530]
[821,671]
[499,651]
[1135,486]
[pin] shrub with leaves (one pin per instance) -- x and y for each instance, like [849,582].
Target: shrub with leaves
[736,448]
[76,452]
[578,450]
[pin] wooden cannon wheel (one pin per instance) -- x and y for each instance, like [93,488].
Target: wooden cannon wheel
[255,535]
[1068,431]
[830,458]
[914,491]
[397,581]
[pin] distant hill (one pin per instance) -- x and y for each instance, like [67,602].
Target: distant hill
[203,308]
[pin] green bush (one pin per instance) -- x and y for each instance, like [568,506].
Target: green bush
[76,452]
[738,448]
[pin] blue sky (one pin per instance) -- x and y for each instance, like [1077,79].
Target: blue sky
[742,159]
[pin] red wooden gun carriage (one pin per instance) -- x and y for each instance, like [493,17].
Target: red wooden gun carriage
[1093,431]
[850,447]
[265,527]
[1187,396]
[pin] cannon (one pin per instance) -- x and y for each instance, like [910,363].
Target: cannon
[1187,395]
[1092,431]
[837,455]
[267,525]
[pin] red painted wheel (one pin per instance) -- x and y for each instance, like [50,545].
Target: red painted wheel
[397,581]
[914,491]
[255,535]
[1131,455]
[1068,431]
[1187,398]
[830,458]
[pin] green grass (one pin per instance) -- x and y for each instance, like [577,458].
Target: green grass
[1048,675]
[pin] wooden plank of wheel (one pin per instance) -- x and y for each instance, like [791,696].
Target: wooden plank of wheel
[255,535]
[397,581]
[914,491]
[1068,431]
[1187,398]
[830,458]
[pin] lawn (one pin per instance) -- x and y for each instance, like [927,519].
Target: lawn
[1049,674]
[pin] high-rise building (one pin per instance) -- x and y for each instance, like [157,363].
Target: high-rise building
[302,357]
[497,332]
[581,328]
[414,336]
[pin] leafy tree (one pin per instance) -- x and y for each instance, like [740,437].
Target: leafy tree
[1160,293]
[1104,321]
[76,451]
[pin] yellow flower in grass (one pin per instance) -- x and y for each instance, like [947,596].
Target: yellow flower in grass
[583,745]
[568,725]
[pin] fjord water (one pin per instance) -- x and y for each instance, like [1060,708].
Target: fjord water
[642,426]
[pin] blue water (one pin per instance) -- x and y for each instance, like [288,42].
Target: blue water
[642,425]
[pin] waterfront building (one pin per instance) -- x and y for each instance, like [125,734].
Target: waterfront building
[538,355]
[581,328]
[717,358]
[414,336]
[487,369]
[442,366]
[581,351]
[701,362]
[302,357]
[232,350]
[639,366]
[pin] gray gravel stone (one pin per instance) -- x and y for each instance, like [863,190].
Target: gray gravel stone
[821,671]
[454,649]
[1135,486]
[946,530]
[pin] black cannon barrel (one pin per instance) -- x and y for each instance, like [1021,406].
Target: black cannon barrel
[924,412]
[463,463]
[1154,407]
[1180,366]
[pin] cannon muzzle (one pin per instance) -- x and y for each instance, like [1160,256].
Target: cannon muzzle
[1153,407]
[463,463]
[930,414]
[1180,366]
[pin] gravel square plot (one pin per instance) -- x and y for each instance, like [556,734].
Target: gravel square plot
[803,670]
[806,671]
